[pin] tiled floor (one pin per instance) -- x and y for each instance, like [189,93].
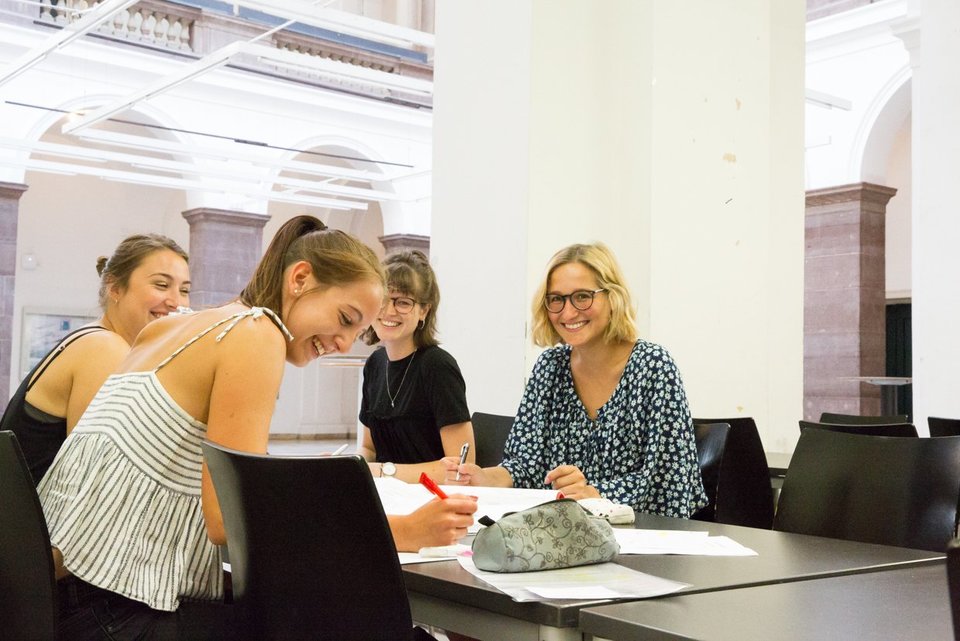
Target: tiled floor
[309,447]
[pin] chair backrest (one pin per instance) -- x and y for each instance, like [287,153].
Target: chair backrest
[28,588]
[865,429]
[311,552]
[711,439]
[854,419]
[953,581]
[744,495]
[490,433]
[894,491]
[943,426]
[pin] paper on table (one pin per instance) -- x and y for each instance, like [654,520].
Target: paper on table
[398,497]
[585,582]
[677,542]
[416,557]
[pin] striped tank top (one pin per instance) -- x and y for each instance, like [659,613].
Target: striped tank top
[122,498]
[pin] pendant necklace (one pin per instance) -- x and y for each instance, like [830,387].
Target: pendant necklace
[393,397]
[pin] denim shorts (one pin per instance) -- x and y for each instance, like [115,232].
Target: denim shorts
[89,613]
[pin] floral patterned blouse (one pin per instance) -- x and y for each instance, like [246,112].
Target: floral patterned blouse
[640,450]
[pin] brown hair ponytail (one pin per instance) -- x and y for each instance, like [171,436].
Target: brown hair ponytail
[336,258]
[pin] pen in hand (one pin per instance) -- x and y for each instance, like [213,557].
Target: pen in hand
[340,450]
[428,483]
[463,457]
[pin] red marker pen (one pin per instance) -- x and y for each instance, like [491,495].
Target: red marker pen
[428,483]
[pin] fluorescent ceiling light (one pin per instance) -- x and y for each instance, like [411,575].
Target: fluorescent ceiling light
[342,22]
[339,70]
[63,37]
[181,184]
[829,101]
[211,61]
[240,153]
[236,174]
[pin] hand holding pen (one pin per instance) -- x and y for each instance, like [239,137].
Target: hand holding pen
[442,522]
[463,458]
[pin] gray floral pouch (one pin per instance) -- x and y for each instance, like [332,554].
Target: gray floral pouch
[557,534]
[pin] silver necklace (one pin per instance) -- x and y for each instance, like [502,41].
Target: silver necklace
[393,397]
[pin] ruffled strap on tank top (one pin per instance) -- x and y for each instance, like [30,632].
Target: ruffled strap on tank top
[231,321]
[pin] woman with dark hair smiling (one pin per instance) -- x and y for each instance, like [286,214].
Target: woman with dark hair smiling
[414,406]
[146,278]
[133,516]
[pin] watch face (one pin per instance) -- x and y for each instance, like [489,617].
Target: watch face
[389,469]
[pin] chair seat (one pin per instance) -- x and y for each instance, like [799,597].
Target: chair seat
[875,489]
[28,587]
[310,548]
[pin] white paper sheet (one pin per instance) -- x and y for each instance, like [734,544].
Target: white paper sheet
[398,497]
[586,582]
[677,542]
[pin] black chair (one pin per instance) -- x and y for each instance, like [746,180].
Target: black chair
[943,426]
[854,419]
[895,429]
[711,439]
[744,495]
[490,433]
[311,552]
[893,491]
[953,581]
[28,588]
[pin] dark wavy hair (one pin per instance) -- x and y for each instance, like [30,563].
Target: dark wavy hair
[409,273]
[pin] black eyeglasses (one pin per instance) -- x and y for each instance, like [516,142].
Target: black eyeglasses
[402,304]
[581,299]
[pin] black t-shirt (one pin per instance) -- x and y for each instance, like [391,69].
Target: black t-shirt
[428,393]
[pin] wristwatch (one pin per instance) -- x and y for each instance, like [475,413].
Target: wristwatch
[388,469]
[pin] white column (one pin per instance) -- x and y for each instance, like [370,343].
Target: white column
[670,131]
[936,224]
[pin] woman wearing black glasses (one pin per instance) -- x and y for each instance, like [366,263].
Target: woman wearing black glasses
[604,413]
[414,405]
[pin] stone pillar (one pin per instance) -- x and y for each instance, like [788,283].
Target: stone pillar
[394,243]
[10,194]
[844,322]
[225,247]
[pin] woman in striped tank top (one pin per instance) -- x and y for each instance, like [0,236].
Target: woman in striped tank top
[133,517]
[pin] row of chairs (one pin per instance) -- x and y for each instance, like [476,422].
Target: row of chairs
[938,426]
[890,491]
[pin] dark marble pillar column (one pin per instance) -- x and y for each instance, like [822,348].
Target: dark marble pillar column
[394,243]
[10,194]
[844,298]
[225,247]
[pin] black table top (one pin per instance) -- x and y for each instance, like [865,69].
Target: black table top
[781,557]
[896,604]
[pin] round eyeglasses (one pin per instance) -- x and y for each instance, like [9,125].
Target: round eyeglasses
[581,299]
[402,304]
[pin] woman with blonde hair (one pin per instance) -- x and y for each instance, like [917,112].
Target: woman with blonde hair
[604,413]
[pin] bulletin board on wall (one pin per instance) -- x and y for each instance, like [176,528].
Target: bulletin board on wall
[43,327]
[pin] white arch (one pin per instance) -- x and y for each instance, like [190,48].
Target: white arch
[880,124]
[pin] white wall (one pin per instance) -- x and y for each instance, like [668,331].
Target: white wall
[672,132]
[936,225]
[898,219]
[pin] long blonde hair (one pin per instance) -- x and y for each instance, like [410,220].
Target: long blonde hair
[598,258]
